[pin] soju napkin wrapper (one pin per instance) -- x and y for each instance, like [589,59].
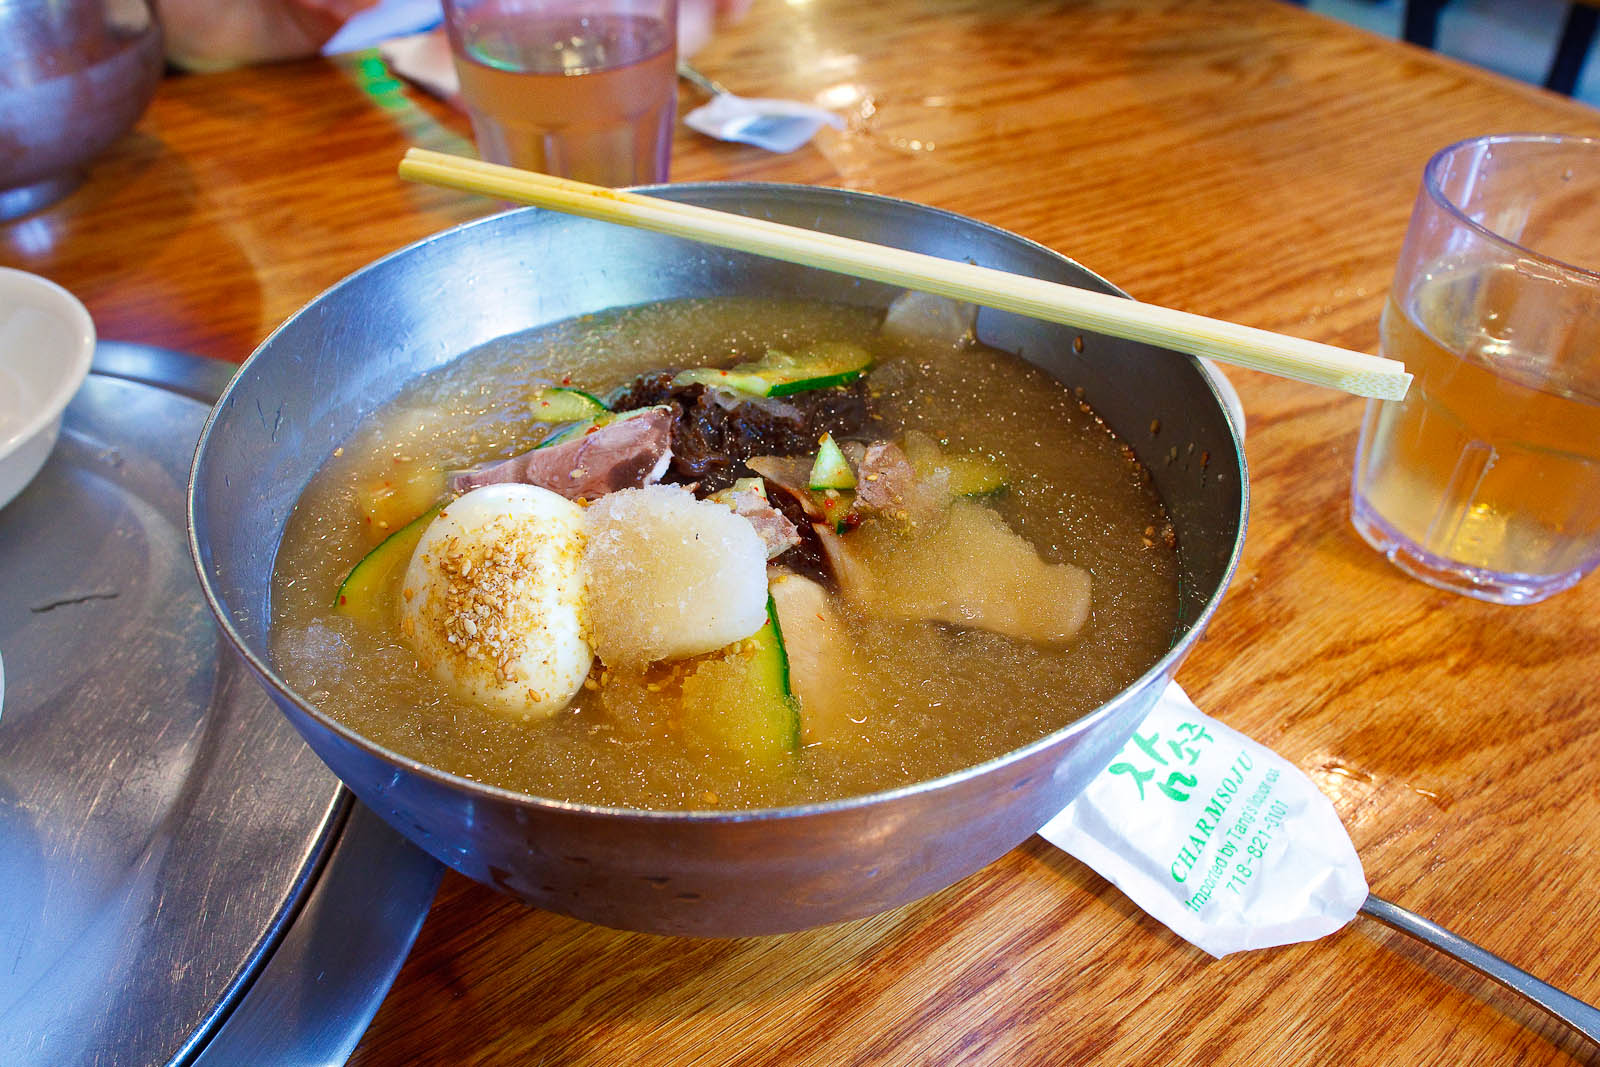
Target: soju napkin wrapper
[1221,839]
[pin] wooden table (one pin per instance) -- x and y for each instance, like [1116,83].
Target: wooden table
[1241,159]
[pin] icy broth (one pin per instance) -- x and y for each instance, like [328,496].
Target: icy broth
[932,698]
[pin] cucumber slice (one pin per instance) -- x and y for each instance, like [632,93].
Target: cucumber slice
[405,488]
[819,366]
[824,668]
[974,476]
[831,469]
[367,592]
[965,474]
[838,509]
[605,418]
[561,404]
[742,702]
[758,486]
[738,379]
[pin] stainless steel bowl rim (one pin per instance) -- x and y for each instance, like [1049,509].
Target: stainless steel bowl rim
[265,670]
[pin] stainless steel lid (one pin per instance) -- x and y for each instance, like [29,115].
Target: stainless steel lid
[161,825]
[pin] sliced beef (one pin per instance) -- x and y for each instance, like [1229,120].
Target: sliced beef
[884,478]
[623,455]
[716,430]
[715,433]
[789,476]
[771,525]
[806,557]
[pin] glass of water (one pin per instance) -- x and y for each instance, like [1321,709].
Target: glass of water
[583,89]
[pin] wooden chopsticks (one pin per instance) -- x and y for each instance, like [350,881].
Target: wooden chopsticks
[1242,346]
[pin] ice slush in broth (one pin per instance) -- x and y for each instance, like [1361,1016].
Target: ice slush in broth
[806,555]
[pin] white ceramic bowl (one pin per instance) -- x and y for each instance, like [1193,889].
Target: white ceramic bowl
[46,345]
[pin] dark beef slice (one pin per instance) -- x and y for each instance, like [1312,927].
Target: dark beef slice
[710,441]
[806,558]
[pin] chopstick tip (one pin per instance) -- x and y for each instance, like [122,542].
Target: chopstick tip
[1392,386]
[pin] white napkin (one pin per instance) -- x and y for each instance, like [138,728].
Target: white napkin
[1220,838]
[424,58]
[383,20]
[776,125]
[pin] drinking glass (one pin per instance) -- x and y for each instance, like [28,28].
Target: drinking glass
[583,89]
[1485,480]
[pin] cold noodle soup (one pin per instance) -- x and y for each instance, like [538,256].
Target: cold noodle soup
[776,551]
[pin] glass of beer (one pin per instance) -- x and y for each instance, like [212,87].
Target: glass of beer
[583,89]
[1485,480]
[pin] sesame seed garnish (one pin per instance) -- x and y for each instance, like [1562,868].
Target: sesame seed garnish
[482,611]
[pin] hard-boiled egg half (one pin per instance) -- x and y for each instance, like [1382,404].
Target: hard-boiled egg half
[492,601]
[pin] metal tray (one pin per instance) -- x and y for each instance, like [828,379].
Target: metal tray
[181,880]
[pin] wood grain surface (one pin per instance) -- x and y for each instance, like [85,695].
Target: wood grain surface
[1246,160]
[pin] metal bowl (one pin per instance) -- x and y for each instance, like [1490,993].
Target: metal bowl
[77,75]
[707,873]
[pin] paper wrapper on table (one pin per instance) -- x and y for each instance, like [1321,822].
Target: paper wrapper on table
[756,121]
[424,59]
[1220,838]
